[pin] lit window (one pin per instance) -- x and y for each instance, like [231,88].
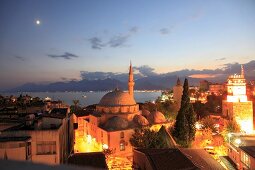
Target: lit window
[121,135]
[122,146]
[245,159]
[28,150]
[46,148]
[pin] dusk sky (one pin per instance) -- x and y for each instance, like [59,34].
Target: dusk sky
[82,35]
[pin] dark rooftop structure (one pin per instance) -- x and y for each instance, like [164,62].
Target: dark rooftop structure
[201,159]
[161,159]
[93,159]
[250,150]
[83,112]
[60,113]
[16,139]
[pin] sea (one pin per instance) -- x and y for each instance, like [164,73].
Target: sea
[86,98]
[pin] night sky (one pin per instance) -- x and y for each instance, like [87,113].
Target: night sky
[83,35]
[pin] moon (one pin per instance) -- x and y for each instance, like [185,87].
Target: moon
[38,22]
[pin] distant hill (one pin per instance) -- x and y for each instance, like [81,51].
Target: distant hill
[145,83]
[145,79]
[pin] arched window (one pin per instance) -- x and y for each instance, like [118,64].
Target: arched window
[122,145]
[121,135]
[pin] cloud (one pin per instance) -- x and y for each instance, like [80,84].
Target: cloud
[20,58]
[164,31]
[114,41]
[197,14]
[133,30]
[118,41]
[96,43]
[145,70]
[66,56]
[221,59]
[217,75]
[102,75]
[68,79]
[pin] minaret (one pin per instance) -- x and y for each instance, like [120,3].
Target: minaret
[178,83]
[131,82]
[177,93]
[242,71]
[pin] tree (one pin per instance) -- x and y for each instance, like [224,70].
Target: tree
[231,126]
[76,103]
[207,122]
[146,138]
[184,127]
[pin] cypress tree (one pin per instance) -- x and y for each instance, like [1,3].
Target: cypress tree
[184,127]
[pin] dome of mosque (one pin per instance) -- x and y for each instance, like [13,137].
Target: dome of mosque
[116,123]
[157,117]
[140,120]
[146,113]
[117,98]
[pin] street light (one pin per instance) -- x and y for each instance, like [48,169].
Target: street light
[238,141]
[229,136]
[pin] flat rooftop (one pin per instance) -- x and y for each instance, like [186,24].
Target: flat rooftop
[12,139]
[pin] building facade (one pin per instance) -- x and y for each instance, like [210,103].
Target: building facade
[46,139]
[237,106]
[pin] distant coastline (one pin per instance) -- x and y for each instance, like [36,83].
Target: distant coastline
[92,97]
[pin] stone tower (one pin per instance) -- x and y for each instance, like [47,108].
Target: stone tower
[131,82]
[237,107]
[177,93]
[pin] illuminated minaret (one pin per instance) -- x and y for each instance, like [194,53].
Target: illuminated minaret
[131,82]
[237,107]
[177,93]
[236,87]
[242,71]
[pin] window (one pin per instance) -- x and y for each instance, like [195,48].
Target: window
[121,135]
[28,150]
[122,146]
[245,159]
[46,148]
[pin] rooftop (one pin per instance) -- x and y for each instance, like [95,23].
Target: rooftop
[250,150]
[187,158]
[162,159]
[201,159]
[93,159]
[9,139]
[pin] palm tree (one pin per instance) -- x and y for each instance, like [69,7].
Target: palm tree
[76,103]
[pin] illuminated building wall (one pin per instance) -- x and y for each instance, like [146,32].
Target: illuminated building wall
[237,106]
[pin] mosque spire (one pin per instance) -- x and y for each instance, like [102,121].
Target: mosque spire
[131,82]
[178,83]
[242,71]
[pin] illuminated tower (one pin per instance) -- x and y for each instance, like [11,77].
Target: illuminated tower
[237,106]
[131,82]
[177,93]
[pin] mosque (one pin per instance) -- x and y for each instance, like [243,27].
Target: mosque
[117,114]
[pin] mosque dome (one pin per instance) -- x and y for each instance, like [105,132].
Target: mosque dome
[157,117]
[146,113]
[140,120]
[116,123]
[117,98]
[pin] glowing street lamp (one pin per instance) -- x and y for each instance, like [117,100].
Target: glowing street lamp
[238,141]
[229,136]
[105,146]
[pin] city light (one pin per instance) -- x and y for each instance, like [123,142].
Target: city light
[105,146]
[237,141]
